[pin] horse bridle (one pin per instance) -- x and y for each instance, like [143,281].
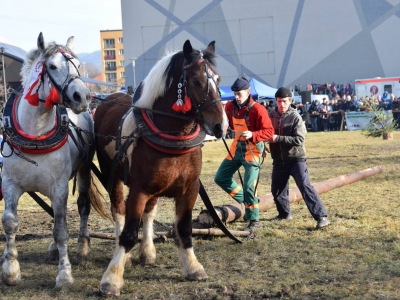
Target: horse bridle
[209,74]
[63,88]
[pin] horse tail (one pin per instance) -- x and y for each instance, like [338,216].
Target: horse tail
[97,199]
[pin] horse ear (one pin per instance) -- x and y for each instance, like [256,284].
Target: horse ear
[187,50]
[70,43]
[211,47]
[41,44]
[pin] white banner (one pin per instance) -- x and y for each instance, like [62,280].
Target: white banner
[357,120]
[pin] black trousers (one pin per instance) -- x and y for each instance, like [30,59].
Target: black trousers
[280,188]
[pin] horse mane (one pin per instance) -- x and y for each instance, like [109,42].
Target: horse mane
[160,77]
[34,54]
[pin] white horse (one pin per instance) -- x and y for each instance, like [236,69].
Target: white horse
[50,77]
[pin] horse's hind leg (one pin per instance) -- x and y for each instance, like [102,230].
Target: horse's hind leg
[147,251]
[190,266]
[84,182]
[11,270]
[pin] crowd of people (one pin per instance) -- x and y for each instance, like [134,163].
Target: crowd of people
[328,115]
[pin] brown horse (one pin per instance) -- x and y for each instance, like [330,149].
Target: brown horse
[180,95]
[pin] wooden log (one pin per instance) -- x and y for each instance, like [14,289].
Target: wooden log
[111,236]
[195,232]
[234,211]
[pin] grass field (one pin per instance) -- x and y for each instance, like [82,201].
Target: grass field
[356,257]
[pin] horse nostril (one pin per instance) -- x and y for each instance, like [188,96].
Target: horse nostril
[218,128]
[77,97]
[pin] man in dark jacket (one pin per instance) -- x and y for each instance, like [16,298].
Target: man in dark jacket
[289,159]
[396,110]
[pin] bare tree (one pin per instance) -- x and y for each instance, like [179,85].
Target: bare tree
[89,70]
[2,100]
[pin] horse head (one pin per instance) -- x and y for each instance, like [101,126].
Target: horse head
[201,81]
[51,74]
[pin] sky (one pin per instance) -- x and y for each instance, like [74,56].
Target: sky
[21,21]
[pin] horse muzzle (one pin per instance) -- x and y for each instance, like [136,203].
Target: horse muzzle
[79,102]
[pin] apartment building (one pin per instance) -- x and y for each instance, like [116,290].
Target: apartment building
[112,51]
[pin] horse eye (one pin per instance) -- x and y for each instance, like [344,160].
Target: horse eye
[196,83]
[53,67]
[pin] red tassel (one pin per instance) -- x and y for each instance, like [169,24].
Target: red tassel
[182,107]
[52,98]
[32,96]
[33,99]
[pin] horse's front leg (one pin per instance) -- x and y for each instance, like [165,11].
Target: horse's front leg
[112,279]
[60,234]
[191,268]
[11,270]
[147,251]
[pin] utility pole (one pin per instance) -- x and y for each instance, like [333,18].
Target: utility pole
[133,60]
[4,73]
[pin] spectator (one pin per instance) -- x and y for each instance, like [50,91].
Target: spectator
[314,115]
[270,106]
[360,105]
[392,96]
[382,104]
[303,113]
[326,109]
[396,111]
[385,96]
[339,115]
[349,105]
[289,159]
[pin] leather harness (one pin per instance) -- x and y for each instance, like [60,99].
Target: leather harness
[28,144]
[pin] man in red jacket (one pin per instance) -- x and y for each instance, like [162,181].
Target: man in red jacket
[252,126]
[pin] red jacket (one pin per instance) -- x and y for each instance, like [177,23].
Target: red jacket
[258,121]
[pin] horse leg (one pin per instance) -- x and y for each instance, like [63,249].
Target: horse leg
[147,251]
[84,182]
[191,268]
[60,234]
[112,279]
[11,270]
[118,212]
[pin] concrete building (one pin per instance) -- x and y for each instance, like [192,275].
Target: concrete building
[278,42]
[112,51]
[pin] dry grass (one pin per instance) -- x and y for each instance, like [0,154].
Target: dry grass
[357,257]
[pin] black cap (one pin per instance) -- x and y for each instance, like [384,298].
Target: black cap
[240,84]
[283,92]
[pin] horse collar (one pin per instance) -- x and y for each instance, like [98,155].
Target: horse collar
[25,143]
[164,142]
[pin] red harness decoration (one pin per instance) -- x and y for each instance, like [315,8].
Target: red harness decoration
[33,137]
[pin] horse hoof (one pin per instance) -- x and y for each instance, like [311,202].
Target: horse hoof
[11,280]
[197,276]
[146,260]
[108,289]
[80,259]
[64,278]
